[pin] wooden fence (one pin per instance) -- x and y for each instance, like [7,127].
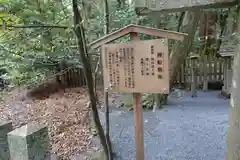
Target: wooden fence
[214,66]
[74,77]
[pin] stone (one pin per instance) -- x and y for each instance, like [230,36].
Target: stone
[79,157]
[29,142]
[99,155]
[5,128]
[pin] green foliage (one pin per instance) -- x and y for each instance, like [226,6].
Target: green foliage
[28,53]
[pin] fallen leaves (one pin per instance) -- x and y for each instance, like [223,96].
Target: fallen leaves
[66,114]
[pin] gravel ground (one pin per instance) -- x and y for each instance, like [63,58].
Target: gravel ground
[186,129]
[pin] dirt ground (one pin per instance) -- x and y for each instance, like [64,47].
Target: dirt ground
[65,113]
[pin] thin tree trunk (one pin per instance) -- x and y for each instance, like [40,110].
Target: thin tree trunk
[233,137]
[162,98]
[82,49]
[180,21]
[107,130]
[206,69]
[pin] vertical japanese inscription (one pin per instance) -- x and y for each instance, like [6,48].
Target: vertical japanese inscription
[128,58]
[147,64]
[152,61]
[132,68]
[125,65]
[110,68]
[113,59]
[117,70]
[160,65]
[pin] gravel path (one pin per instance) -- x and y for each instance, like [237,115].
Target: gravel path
[186,129]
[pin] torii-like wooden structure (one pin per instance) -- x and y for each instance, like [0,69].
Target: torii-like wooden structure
[134,30]
[151,6]
[143,7]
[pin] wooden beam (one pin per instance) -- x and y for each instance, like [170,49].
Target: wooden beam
[160,33]
[137,29]
[144,7]
[110,37]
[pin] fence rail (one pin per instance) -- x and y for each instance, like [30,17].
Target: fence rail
[74,77]
[214,70]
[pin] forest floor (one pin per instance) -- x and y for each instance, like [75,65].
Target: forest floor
[185,129]
[65,113]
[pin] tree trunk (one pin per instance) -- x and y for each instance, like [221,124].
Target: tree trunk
[82,49]
[162,98]
[181,49]
[233,137]
[107,130]
[205,68]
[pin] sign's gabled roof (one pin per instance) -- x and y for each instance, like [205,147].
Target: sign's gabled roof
[138,29]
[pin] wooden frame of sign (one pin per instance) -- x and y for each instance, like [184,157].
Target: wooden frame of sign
[150,6]
[157,53]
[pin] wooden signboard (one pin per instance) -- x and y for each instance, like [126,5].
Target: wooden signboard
[146,6]
[136,66]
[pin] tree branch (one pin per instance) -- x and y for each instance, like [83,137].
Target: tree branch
[180,21]
[34,26]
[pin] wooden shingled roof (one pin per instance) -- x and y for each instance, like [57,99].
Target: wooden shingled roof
[138,29]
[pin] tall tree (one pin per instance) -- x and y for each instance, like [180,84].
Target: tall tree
[106,31]
[82,49]
[182,49]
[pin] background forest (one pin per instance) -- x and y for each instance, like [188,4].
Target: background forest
[36,36]
[39,39]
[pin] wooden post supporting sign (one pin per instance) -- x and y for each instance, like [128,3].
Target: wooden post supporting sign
[129,66]
[138,118]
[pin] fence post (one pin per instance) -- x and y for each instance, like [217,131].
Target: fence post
[5,128]
[205,74]
[193,77]
[29,142]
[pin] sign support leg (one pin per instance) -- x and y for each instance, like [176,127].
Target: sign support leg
[138,118]
[138,125]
